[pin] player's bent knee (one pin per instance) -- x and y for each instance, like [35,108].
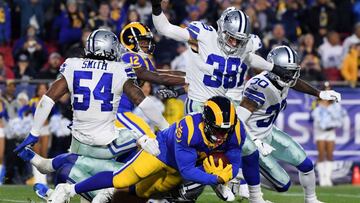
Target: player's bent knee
[285,188]
[306,166]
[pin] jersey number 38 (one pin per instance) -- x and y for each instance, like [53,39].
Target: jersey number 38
[226,72]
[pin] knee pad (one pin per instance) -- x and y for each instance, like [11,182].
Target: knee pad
[306,166]
[62,174]
[63,159]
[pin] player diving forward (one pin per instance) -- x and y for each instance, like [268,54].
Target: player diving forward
[217,128]
[95,84]
[264,98]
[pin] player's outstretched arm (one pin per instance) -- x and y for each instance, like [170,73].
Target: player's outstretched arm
[306,88]
[43,109]
[244,111]
[159,77]
[164,27]
[137,96]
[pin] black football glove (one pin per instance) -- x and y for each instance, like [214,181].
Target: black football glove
[166,93]
[156,7]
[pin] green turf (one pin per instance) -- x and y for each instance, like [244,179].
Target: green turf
[338,194]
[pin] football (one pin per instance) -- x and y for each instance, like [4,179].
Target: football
[220,155]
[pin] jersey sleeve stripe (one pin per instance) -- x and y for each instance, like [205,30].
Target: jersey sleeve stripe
[192,34]
[194,28]
[258,94]
[190,126]
[254,98]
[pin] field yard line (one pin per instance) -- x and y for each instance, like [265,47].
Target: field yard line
[324,194]
[17,201]
[294,194]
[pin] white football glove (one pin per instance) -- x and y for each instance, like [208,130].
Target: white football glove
[264,148]
[330,95]
[150,145]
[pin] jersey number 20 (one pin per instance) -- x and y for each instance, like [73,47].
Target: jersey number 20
[102,91]
[224,74]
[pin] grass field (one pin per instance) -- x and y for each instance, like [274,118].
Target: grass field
[338,194]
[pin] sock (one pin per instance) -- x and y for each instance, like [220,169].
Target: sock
[42,164]
[328,168]
[251,170]
[100,180]
[320,166]
[307,181]
[39,177]
[255,193]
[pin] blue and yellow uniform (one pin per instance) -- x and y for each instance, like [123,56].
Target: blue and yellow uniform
[181,146]
[137,61]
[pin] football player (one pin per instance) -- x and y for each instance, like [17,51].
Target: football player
[264,98]
[217,128]
[95,84]
[221,59]
[139,43]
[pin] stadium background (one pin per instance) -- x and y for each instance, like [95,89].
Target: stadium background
[37,35]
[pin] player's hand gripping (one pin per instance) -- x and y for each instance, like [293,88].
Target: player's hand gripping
[330,95]
[150,145]
[166,93]
[264,148]
[29,140]
[225,174]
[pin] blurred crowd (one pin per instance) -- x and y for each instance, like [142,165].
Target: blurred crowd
[37,35]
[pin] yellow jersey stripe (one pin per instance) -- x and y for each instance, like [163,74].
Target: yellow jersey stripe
[190,125]
[238,132]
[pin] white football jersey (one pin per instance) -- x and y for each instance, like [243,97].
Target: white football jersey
[211,72]
[270,100]
[95,87]
[251,47]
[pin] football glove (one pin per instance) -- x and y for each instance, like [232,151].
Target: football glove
[166,93]
[330,95]
[150,145]
[210,167]
[225,174]
[29,140]
[264,148]
[156,7]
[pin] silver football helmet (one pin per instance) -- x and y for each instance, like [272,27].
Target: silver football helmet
[233,25]
[103,44]
[286,58]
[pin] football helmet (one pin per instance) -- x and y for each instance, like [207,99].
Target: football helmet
[219,119]
[233,30]
[137,37]
[102,44]
[286,58]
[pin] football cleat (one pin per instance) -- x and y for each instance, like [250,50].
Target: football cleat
[61,194]
[223,192]
[42,191]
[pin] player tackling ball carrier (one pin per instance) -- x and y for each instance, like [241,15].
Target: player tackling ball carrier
[95,84]
[217,128]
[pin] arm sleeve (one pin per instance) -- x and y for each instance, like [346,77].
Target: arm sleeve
[42,112]
[154,114]
[257,61]
[164,27]
[186,159]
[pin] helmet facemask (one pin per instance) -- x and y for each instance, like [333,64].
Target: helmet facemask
[215,134]
[232,44]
